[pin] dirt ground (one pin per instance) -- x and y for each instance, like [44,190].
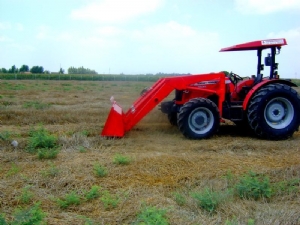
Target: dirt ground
[162,160]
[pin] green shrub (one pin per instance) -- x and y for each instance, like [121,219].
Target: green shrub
[93,193]
[29,216]
[100,170]
[151,215]
[40,139]
[208,199]
[2,219]
[179,198]
[109,201]
[121,159]
[253,186]
[70,199]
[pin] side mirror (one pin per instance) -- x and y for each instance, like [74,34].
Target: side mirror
[268,60]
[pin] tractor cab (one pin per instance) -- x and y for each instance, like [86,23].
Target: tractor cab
[243,85]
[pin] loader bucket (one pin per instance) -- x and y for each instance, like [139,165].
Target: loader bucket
[114,125]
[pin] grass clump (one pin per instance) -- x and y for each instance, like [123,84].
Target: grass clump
[254,186]
[208,199]
[28,216]
[99,170]
[13,170]
[36,105]
[151,215]
[26,195]
[179,198]
[47,153]
[43,143]
[109,201]
[5,136]
[121,159]
[93,193]
[70,199]
[286,186]
[52,171]
[82,149]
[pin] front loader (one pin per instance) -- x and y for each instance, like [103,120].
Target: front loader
[269,106]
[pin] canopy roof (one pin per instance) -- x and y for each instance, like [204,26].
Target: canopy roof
[254,45]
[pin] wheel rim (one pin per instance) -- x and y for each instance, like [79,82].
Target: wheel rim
[279,113]
[201,120]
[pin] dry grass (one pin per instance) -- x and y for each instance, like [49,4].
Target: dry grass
[162,160]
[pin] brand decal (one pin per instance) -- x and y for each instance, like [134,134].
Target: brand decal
[273,42]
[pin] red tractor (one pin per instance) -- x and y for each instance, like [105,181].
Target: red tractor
[269,106]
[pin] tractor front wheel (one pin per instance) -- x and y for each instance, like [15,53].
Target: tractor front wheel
[172,117]
[199,118]
[273,112]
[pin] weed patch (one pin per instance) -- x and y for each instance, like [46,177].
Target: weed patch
[179,198]
[109,201]
[254,186]
[13,170]
[121,159]
[41,142]
[52,171]
[152,215]
[26,195]
[36,105]
[209,200]
[100,170]
[93,193]
[30,215]
[70,199]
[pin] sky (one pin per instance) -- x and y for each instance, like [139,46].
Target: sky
[147,36]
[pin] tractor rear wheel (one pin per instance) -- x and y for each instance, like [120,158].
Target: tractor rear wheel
[273,112]
[198,118]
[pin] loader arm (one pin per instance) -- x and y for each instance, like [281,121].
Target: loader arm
[154,95]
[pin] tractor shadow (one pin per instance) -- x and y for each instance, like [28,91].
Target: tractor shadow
[235,131]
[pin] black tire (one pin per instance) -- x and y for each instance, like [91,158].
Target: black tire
[199,118]
[273,112]
[172,117]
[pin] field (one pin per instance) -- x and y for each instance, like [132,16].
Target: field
[153,173]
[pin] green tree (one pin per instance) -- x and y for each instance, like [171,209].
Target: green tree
[24,68]
[61,71]
[3,70]
[13,69]
[37,69]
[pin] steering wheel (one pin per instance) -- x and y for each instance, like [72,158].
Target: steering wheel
[234,78]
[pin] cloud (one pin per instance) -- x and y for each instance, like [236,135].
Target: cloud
[46,33]
[176,37]
[265,6]
[292,36]
[115,10]
[5,39]
[5,25]
[108,31]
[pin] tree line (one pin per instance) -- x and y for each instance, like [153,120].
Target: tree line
[25,69]
[40,70]
[81,70]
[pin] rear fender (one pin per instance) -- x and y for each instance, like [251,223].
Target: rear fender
[262,84]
